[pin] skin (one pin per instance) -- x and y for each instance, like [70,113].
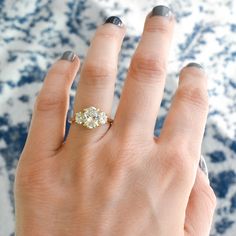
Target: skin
[119,179]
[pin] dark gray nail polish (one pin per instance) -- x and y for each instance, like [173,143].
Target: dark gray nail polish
[203,166]
[114,20]
[161,11]
[194,64]
[68,55]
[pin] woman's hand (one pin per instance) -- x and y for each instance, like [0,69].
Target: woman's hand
[119,179]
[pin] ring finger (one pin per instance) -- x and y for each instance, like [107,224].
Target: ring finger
[98,75]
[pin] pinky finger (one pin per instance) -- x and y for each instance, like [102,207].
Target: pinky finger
[47,127]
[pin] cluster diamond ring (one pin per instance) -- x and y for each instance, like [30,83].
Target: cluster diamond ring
[91,117]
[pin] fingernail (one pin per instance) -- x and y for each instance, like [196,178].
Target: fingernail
[68,55]
[114,20]
[194,64]
[203,165]
[161,11]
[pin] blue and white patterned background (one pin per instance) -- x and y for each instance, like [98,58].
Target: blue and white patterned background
[34,33]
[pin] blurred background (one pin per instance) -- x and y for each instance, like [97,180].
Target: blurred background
[34,33]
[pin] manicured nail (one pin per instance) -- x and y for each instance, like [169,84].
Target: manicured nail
[194,64]
[68,55]
[203,166]
[114,20]
[161,11]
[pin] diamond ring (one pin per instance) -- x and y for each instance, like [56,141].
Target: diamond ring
[91,117]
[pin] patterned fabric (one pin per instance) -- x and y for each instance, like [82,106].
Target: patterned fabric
[34,33]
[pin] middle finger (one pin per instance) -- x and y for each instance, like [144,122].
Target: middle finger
[143,88]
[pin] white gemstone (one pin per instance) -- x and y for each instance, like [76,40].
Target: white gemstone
[91,117]
[90,123]
[79,118]
[102,118]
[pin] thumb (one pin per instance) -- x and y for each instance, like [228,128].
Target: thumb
[201,207]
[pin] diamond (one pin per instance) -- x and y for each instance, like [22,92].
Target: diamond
[91,117]
[79,118]
[102,118]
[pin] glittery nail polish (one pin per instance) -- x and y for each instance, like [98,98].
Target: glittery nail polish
[114,20]
[68,55]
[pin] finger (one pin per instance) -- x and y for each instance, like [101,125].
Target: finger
[98,76]
[201,207]
[47,127]
[186,119]
[143,88]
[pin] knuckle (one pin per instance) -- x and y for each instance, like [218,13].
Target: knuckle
[157,26]
[177,163]
[50,101]
[108,34]
[147,65]
[58,70]
[193,95]
[193,73]
[123,157]
[116,166]
[99,72]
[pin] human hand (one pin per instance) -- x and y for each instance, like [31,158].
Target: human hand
[118,179]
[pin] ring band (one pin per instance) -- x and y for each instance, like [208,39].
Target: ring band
[91,117]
